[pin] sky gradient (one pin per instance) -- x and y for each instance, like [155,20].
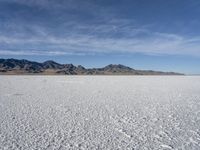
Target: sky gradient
[143,34]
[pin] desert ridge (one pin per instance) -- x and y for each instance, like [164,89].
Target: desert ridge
[15,66]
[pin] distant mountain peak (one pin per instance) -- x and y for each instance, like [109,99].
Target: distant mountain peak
[15,66]
[120,66]
[80,67]
[50,64]
[50,61]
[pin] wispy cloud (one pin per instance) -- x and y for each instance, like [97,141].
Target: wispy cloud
[149,42]
[67,32]
[37,53]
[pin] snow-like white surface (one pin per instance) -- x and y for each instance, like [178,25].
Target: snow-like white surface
[100,112]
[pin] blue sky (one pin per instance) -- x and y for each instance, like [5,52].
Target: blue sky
[143,34]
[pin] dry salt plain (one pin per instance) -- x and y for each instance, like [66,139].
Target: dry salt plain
[100,112]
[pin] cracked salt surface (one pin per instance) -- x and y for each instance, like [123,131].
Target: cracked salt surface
[100,112]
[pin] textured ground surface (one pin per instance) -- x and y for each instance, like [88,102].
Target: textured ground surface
[99,112]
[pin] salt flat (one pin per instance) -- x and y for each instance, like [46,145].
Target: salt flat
[100,112]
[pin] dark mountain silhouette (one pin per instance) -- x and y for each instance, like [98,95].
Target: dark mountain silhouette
[51,65]
[14,66]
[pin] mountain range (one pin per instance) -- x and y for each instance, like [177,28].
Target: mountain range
[15,66]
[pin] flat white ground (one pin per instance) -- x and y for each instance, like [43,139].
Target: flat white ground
[100,112]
